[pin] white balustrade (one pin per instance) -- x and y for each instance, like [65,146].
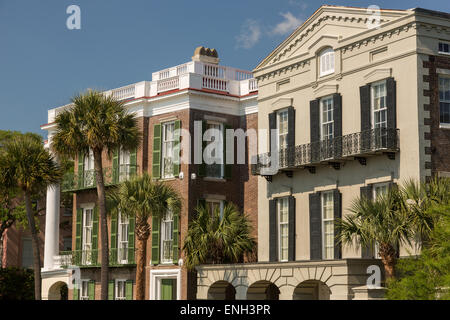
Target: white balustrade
[182,69]
[164,74]
[252,85]
[168,84]
[124,92]
[214,71]
[242,75]
[215,84]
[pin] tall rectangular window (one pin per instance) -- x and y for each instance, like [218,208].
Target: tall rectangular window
[379,113]
[84,291]
[167,237]
[213,205]
[215,170]
[122,237]
[282,124]
[168,141]
[328,225]
[283,229]
[124,165]
[87,235]
[444,48]
[379,189]
[27,253]
[444,100]
[120,292]
[326,118]
[89,173]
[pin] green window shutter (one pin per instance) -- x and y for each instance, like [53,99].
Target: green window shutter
[156,161]
[91,290]
[228,168]
[202,165]
[76,294]
[129,290]
[80,170]
[115,169]
[131,225]
[176,221]
[133,162]
[176,148]
[113,238]
[95,237]
[111,290]
[78,235]
[155,240]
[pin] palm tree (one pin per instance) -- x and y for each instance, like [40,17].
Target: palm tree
[30,168]
[101,124]
[380,221]
[214,239]
[142,199]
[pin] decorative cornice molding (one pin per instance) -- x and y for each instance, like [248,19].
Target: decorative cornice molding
[282,103]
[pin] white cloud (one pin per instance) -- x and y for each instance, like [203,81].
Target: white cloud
[250,34]
[289,24]
[297,3]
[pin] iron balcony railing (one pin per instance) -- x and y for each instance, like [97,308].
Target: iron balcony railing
[92,258]
[87,178]
[338,148]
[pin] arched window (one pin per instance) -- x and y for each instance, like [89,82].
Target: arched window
[326,60]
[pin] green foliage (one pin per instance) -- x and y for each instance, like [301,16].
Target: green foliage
[6,136]
[214,240]
[16,284]
[427,277]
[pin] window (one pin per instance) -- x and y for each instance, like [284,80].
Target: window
[326,62]
[378,190]
[444,100]
[379,112]
[215,170]
[120,290]
[444,48]
[87,235]
[67,244]
[124,165]
[122,239]
[282,122]
[168,141]
[213,205]
[326,118]
[283,229]
[89,173]
[84,292]
[328,225]
[27,253]
[167,237]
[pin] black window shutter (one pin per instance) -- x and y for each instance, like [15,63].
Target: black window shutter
[367,192]
[273,230]
[337,119]
[315,226]
[291,136]
[314,118]
[291,253]
[364,95]
[272,125]
[337,199]
[391,103]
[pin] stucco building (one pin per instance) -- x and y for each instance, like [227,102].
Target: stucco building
[361,101]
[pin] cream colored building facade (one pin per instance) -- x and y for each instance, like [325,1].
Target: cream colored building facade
[363,86]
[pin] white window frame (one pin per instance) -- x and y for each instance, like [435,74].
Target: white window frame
[280,224]
[83,283]
[124,165]
[322,206]
[327,57]
[155,281]
[116,289]
[121,222]
[372,103]
[164,221]
[87,250]
[221,146]
[211,202]
[164,146]
[446,79]
[329,122]
[89,167]
[282,135]
[444,52]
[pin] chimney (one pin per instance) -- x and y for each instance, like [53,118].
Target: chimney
[206,55]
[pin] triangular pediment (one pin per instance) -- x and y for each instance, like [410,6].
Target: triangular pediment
[326,27]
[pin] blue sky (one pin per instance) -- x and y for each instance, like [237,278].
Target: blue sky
[43,64]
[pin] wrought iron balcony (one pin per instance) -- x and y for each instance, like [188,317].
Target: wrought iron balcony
[348,147]
[87,179]
[92,258]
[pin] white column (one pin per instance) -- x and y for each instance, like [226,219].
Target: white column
[51,245]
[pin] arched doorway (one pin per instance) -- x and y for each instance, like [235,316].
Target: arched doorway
[312,290]
[221,290]
[263,290]
[58,291]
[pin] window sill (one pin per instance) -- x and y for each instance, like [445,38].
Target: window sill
[168,179]
[326,74]
[444,126]
[444,53]
[214,179]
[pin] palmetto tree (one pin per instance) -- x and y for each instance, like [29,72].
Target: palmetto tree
[380,221]
[29,167]
[101,124]
[212,239]
[143,198]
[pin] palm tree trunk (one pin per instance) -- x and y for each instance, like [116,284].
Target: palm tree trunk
[1,250]
[140,268]
[103,224]
[389,260]
[35,243]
